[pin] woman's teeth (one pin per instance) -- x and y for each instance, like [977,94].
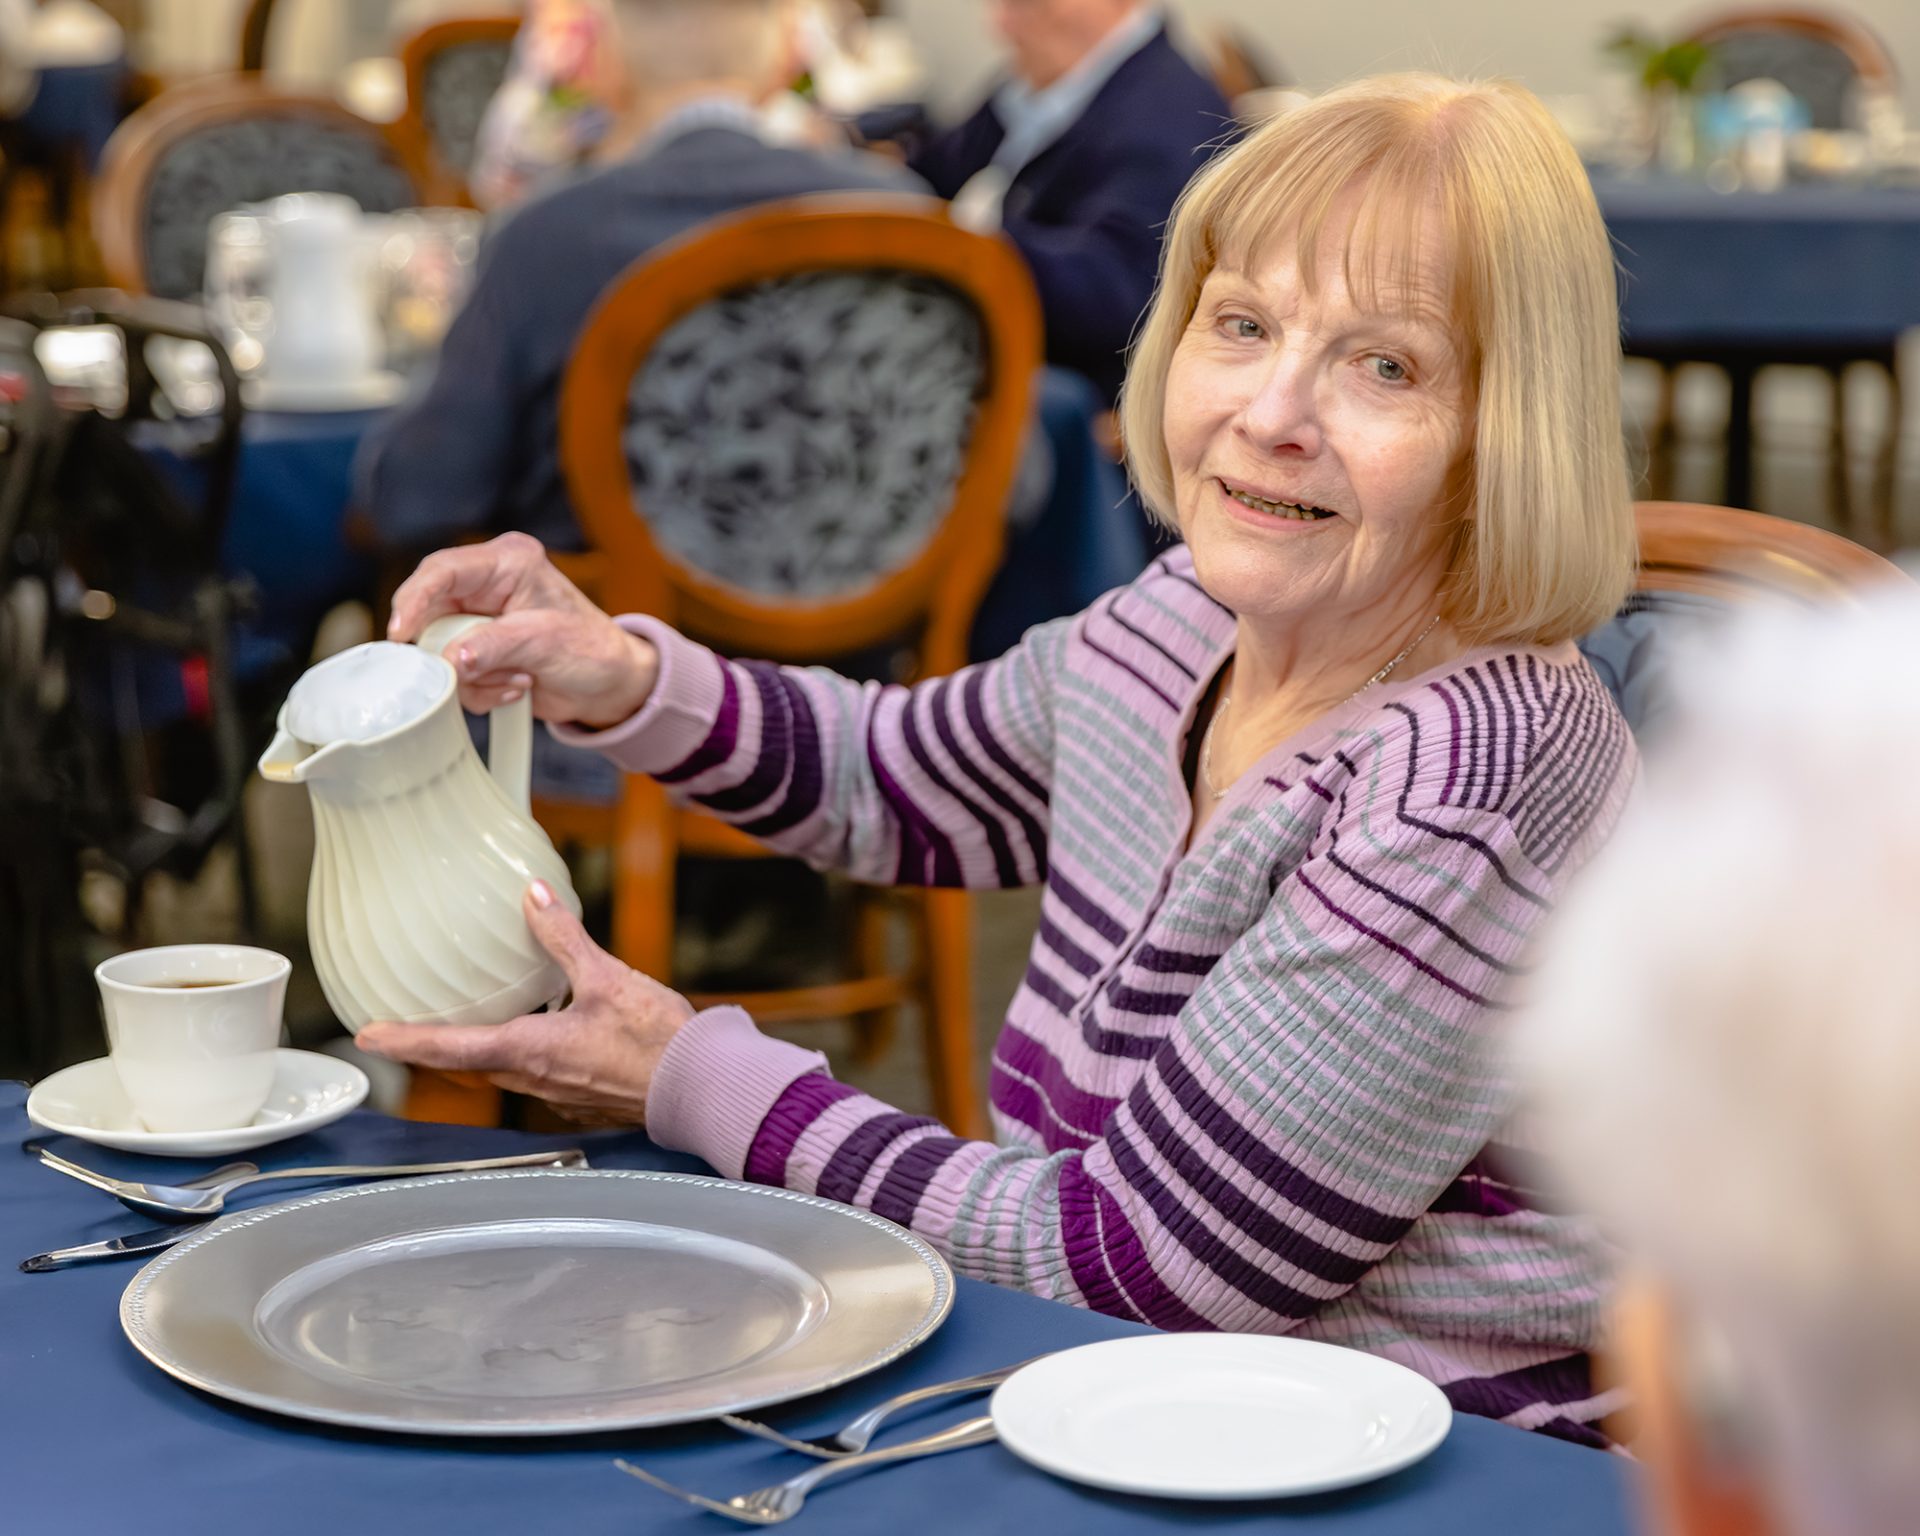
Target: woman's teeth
[1279,508]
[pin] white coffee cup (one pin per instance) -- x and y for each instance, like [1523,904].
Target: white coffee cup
[192,1030]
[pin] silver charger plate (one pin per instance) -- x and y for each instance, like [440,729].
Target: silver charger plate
[538,1302]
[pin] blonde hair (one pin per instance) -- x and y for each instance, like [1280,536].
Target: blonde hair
[1544,548]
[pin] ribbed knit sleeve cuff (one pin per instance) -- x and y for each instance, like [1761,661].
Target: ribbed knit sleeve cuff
[679,714]
[716,1081]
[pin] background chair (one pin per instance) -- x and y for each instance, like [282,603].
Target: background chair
[1827,60]
[1694,561]
[792,435]
[201,149]
[453,69]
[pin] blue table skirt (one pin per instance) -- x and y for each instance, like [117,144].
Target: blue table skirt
[97,1440]
[76,104]
[286,524]
[1804,268]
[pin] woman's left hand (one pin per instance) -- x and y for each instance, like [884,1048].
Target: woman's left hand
[593,1061]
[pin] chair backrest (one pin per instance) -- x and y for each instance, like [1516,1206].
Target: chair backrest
[793,431]
[1696,560]
[256,25]
[199,149]
[1822,58]
[453,69]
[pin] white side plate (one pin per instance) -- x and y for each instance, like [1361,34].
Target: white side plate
[1219,1415]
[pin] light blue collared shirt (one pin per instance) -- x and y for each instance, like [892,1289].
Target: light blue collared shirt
[716,111]
[1035,119]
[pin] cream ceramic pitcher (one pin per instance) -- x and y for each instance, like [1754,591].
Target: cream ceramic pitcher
[421,857]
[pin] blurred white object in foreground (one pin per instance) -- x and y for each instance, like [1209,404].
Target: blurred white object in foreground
[1726,1038]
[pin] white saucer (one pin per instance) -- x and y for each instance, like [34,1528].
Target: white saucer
[1219,1415]
[309,1090]
[367,393]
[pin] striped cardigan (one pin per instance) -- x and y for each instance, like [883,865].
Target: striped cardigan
[1243,1086]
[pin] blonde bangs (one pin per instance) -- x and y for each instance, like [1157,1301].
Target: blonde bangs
[1544,543]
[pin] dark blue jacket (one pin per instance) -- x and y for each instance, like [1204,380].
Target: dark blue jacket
[477,450]
[1089,211]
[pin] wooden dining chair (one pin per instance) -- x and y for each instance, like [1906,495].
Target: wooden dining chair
[453,68]
[202,148]
[1695,560]
[792,435]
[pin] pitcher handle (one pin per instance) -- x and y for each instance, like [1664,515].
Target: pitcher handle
[509,728]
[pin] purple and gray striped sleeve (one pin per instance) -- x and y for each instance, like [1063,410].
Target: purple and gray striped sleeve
[944,784]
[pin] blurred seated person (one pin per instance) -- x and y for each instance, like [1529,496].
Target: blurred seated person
[476,449]
[1723,1037]
[1078,156]
[559,101]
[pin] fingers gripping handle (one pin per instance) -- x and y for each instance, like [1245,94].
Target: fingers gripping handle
[510,728]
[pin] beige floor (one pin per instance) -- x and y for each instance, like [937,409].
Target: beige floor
[1792,483]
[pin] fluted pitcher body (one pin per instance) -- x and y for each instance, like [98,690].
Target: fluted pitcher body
[421,852]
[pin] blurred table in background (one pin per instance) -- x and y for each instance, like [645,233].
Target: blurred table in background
[1815,275]
[78,105]
[286,526]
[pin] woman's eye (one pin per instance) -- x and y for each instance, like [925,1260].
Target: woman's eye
[1240,328]
[1387,370]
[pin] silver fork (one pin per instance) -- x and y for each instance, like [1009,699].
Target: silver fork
[782,1501]
[858,1434]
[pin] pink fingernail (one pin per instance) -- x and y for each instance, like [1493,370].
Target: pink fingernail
[542,894]
[522,680]
[464,656]
[511,696]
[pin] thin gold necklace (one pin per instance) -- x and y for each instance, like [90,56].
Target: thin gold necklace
[1206,742]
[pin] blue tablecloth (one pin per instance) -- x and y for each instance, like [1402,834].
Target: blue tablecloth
[95,1440]
[1807,267]
[77,104]
[286,523]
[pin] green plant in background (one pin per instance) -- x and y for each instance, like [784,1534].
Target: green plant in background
[1676,65]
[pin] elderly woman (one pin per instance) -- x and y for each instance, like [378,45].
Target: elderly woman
[1299,796]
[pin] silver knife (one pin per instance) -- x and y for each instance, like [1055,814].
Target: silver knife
[150,1241]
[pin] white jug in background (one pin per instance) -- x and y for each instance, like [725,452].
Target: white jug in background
[324,330]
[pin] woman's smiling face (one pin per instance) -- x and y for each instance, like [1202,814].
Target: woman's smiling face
[1316,435]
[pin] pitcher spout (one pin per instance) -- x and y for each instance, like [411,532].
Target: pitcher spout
[287,759]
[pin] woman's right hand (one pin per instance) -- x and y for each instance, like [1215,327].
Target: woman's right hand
[547,637]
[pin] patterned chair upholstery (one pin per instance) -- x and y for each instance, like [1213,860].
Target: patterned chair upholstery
[245,160]
[460,81]
[800,438]
[797,439]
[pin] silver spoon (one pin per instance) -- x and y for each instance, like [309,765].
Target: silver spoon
[179,1202]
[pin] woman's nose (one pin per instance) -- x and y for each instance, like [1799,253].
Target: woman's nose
[1282,413]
